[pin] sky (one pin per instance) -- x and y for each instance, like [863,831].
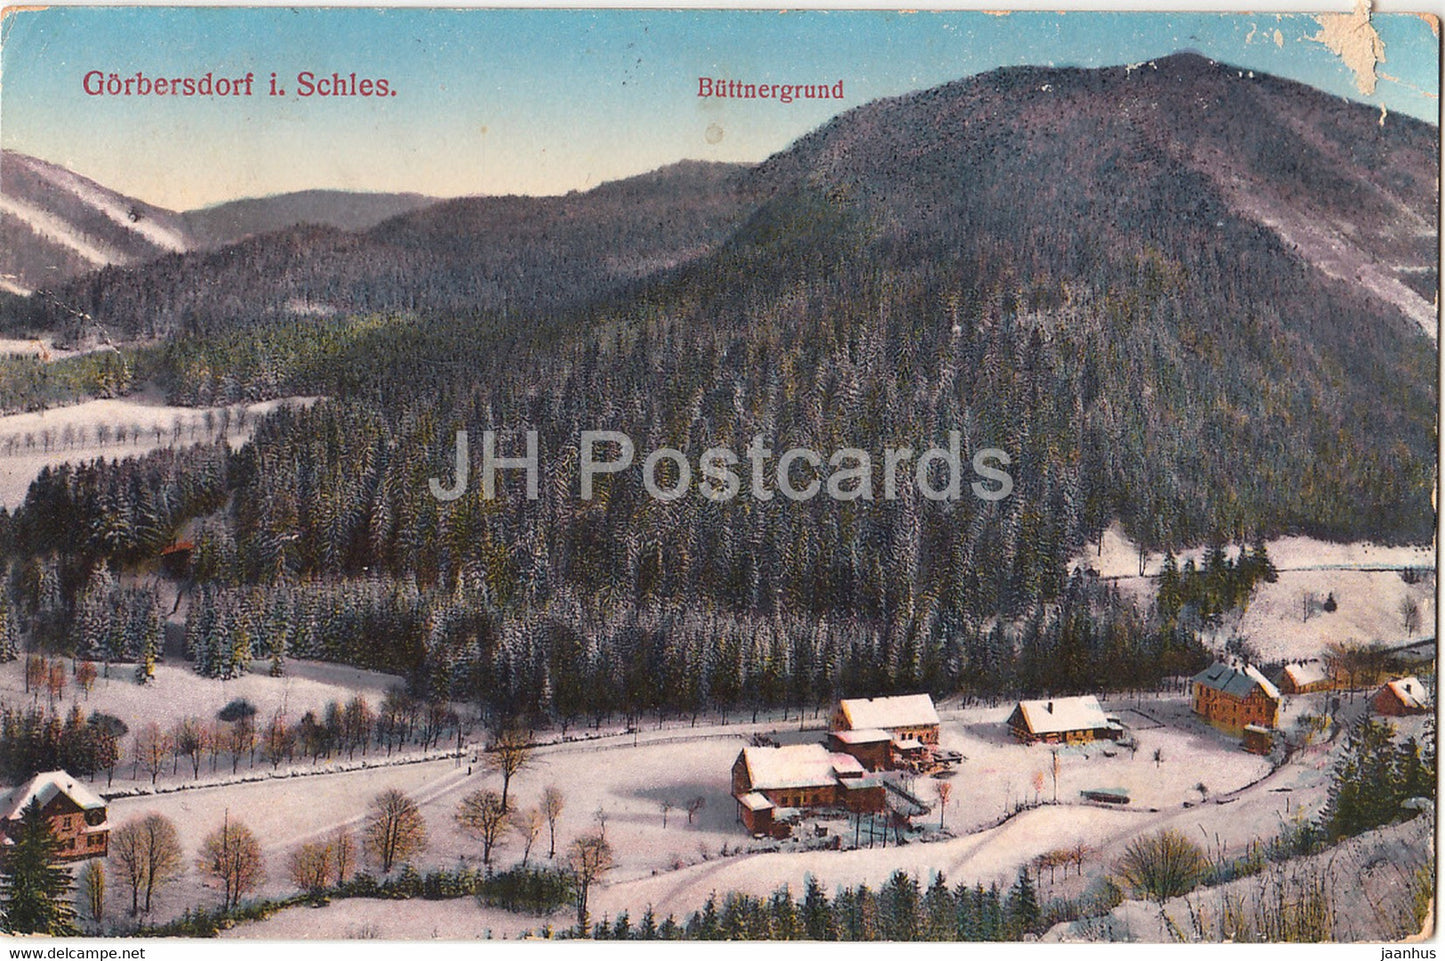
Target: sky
[546,101]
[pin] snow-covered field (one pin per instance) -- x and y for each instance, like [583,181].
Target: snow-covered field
[177,692]
[1367,879]
[1364,579]
[73,434]
[675,869]
[1120,555]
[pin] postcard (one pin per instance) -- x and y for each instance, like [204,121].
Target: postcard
[697,474]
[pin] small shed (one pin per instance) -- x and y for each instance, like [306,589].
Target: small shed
[1305,678]
[1106,795]
[1402,697]
[756,812]
[1258,739]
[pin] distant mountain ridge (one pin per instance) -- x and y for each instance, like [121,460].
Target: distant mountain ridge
[56,224]
[1067,168]
[226,223]
[465,254]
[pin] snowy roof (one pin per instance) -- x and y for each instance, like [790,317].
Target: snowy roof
[45,787]
[1411,692]
[754,801]
[1060,714]
[1256,728]
[908,744]
[797,765]
[867,735]
[907,710]
[1237,682]
[1301,675]
[846,765]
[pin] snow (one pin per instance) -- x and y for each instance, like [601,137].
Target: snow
[1285,621]
[54,229]
[794,766]
[1120,555]
[1056,715]
[108,205]
[908,710]
[176,692]
[21,461]
[45,786]
[1367,879]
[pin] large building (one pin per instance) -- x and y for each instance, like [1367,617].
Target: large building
[772,784]
[886,733]
[77,815]
[1060,720]
[1401,698]
[1232,698]
[905,717]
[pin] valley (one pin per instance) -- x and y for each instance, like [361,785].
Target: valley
[1179,309]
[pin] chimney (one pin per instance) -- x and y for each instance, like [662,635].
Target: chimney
[1050,707]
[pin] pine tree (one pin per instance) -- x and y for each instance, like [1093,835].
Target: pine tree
[9,628]
[36,897]
[1022,908]
[818,921]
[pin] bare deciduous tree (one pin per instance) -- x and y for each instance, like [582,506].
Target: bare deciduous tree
[343,847]
[149,749]
[694,807]
[589,858]
[552,805]
[1161,866]
[92,890]
[484,814]
[394,829]
[232,855]
[509,754]
[85,673]
[528,825]
[311,866]
[943,790]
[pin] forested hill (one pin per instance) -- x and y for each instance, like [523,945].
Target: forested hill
[1184,156]
[476,253]
[1064,279]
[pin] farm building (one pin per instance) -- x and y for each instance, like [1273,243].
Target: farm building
[772,783]
[1231,697]
[908,717]
[77,815]
[1060,720]
[872,748]
[1257,740]
[1304,678]
[1402,697]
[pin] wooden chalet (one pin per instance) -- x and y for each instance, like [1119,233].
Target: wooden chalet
[1061,720]
[176,560]
[1305,678]
[886,733]
[1232,698]
[1401,698]
[775,784]
[77,815]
